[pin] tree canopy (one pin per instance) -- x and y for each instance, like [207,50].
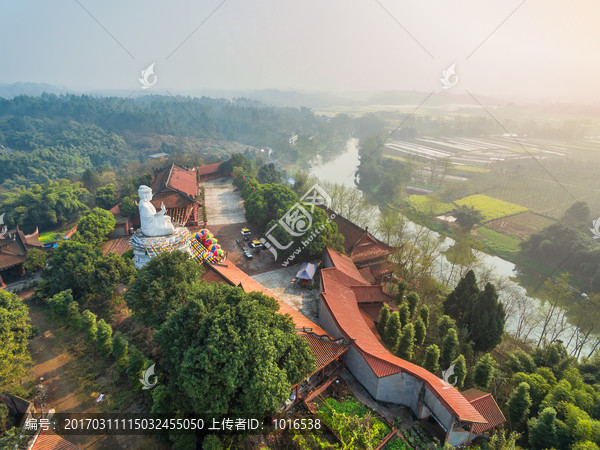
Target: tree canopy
[162,286]
[15,332]
[250,354]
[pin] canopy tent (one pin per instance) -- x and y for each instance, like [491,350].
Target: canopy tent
[307,271]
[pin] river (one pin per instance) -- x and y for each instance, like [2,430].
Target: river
[341,170]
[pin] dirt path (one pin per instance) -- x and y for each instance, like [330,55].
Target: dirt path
[53,362]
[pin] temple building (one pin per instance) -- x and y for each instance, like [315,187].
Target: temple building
[367,252]
[177,188]
[210,172]
[14,246]
[348,308]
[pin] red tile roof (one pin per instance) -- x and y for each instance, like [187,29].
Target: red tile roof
[117,245]
[359,244]
[49,440]
[177,179]
[346,267]
[13,251]
[370,294]
[324,349]
[367,274]
[487,407]
[209,169]
[340,299]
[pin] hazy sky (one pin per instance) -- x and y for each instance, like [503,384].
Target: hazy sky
[547,49]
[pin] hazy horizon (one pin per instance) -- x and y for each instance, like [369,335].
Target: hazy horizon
[523,51]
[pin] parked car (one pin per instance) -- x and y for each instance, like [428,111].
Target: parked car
[256,244]
[248,255]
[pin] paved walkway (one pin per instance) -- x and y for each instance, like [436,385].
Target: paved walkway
[302,299]
[223,205]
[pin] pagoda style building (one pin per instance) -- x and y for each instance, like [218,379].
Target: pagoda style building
[177,188]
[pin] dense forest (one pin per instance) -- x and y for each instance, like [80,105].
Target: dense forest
[49,137]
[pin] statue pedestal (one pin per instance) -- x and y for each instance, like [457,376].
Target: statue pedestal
[145,247]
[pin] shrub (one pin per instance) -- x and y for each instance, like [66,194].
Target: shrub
[88,319]
[104,338]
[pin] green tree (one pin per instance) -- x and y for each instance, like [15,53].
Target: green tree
[120,349]
[485,320]
[467,217]
[15,332]
[577,213]
[46,206]
[36,260]
[519,403]
[403,313]
[432,358]
[501,441]
[323,232]
[106,197]
[424,314]
[60,302]
[484,371]
[406,343]
[250,355]
[461,299]
[413,301]
[128,207]
[93,228]
[268,174]
[71,267]
[420,331]
[384,315]
[74,315]
[460,371]
[110,271]
[104,338]
[444,324]
[392,330]
[161,400]
[449,346]
[402,287]
[135,367]
[269,202]
[162,286]
[4,418]
[542,430]
[88,319]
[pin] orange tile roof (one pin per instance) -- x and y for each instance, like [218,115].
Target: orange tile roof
[367,274]
[340,300]
[117,245]
[209,169]
[178,179]
[487,407]
[370,294]
[346,266]
[49,440]
[359,244]
[324,349]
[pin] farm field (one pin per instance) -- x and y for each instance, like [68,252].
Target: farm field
[522,225]
[490,208]
[499,243]
[423,204]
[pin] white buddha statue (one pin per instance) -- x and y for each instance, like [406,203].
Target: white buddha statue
[153,223]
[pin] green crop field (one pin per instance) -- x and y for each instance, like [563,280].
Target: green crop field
[425,205]
[490,208]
